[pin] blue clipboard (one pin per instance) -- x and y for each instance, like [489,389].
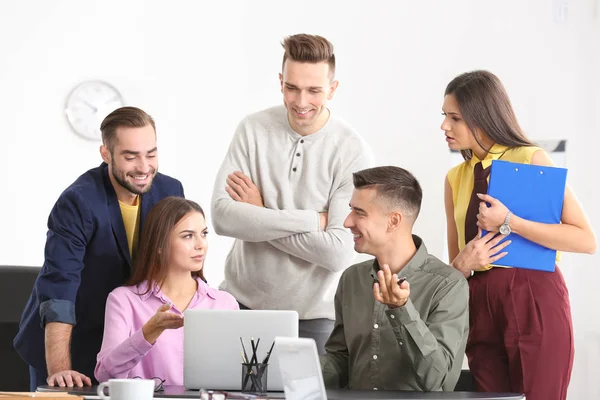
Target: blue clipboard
[535,193]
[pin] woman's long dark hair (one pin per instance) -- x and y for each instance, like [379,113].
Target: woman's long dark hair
[153,251]
[485,106]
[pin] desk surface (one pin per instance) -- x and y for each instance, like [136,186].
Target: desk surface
[180,393]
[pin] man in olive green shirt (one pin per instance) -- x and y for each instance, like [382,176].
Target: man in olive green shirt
[391,334]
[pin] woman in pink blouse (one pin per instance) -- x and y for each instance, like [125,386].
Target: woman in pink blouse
[142,335]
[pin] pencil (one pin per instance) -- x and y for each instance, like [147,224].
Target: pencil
[253,357]
[266,360]
[244,348]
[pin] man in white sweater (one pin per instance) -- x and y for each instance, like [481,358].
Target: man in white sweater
[283,192]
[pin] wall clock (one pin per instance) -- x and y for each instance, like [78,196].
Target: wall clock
[88,104]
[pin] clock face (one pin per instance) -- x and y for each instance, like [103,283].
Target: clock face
[88,104]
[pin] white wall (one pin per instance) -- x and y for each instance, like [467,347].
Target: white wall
[199,67]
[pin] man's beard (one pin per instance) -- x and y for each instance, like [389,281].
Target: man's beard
[121,178]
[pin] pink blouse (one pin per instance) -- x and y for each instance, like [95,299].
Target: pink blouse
[126,354]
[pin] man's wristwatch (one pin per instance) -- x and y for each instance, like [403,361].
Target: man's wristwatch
[505,227]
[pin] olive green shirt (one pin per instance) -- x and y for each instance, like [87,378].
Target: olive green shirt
[419,346]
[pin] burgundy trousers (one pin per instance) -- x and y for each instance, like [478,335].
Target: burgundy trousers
[521,333]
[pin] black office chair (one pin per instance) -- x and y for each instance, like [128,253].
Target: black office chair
[15,287]
[465,383]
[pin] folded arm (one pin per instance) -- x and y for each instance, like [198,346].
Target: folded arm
[574,233]
[246,221]
[332,248]
[254,224]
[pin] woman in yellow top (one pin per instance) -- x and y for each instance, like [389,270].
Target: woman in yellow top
[521,334]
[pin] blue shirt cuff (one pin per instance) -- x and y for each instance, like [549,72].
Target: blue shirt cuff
[56,310]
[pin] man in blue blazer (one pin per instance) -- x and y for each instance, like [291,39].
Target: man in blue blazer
[93,230]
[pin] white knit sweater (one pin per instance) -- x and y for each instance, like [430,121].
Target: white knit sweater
[281,259]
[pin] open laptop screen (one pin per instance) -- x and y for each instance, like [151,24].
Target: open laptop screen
[212,346]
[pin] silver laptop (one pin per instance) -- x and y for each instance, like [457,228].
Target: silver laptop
[212,349]
[303,379]
[300,369]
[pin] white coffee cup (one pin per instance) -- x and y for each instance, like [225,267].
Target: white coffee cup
[127,389]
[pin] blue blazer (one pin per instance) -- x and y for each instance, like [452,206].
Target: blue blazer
[86,257]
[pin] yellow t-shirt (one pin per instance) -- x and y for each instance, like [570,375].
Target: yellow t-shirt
[461,177]
[131,220]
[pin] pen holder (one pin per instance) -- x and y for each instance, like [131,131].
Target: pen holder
[254,378]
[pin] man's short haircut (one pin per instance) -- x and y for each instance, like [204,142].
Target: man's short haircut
[129,117]
[309,48]
[395,186]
